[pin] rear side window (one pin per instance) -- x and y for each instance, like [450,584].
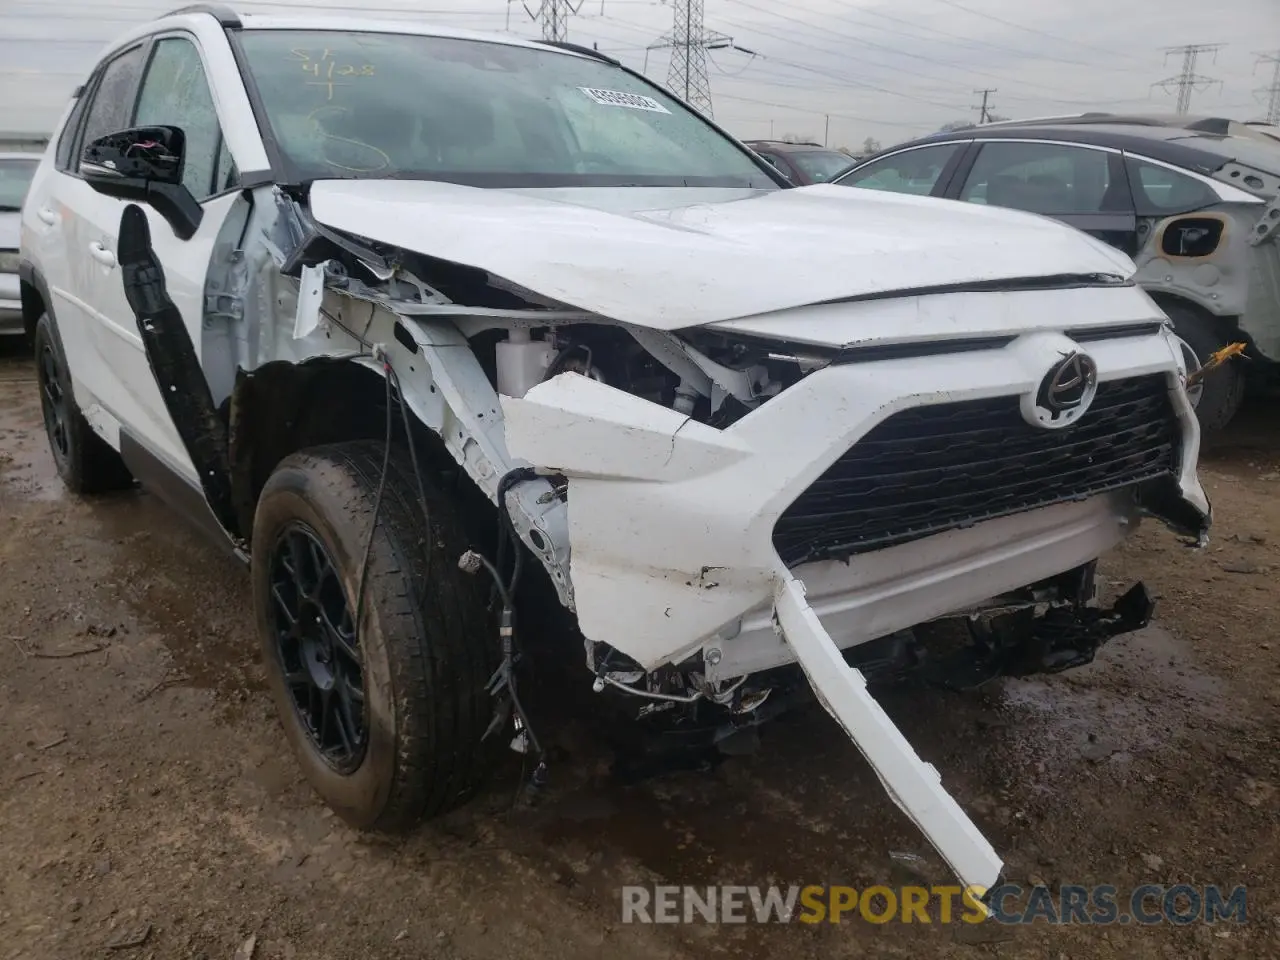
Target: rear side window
[112,103]
[1055,179]
[912,171]
[1160,192]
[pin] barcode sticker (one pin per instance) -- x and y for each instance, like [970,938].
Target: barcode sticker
[617,98]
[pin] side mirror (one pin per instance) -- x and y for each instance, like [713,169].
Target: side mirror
[144,165]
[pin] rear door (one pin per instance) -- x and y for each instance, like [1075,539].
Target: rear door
[1082,185]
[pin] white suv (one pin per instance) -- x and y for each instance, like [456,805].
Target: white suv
[399,313]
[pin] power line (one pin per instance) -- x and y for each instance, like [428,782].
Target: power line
[1188,80]
[1272,92]
[689,40]
[554,17]
[1039,33]
[984,115]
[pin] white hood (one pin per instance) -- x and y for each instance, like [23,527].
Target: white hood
[667,259]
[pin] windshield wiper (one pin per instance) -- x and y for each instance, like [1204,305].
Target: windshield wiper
[9,208]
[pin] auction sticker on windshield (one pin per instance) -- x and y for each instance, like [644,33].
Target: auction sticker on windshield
[617,98]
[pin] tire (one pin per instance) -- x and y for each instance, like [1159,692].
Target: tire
[86,463]
[1223,389]
[424,651]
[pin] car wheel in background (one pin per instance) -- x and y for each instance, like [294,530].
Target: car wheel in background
[1222,390]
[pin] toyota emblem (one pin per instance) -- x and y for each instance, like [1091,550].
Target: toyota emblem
[1066,391]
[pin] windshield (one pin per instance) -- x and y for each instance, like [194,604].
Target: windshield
[15,177]
[377,105]
[821,165]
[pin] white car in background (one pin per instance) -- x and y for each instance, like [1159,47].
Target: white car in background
[16,170]
[399,313]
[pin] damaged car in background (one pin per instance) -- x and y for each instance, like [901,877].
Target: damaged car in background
[418,359]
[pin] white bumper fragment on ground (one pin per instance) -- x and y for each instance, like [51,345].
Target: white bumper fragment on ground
[914,785]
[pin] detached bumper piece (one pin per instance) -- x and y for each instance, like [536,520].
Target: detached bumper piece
[1023,644]
[914,785]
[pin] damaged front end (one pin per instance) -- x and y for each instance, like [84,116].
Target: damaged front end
[720,503]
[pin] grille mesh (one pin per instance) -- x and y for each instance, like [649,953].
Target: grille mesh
[946,466]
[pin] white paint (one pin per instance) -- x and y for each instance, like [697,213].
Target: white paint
[656,497]
[697,262]
[310,298]
[915,786]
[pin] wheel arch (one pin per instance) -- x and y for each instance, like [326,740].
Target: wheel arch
[36,301]
[282,407]
[1225,326]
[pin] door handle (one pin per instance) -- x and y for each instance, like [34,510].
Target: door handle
[102,254]
[47,215]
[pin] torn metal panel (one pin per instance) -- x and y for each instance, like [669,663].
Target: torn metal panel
[610,253]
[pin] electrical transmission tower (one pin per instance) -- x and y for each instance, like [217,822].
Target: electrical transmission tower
[1188,80]
[689,41]
[554,17]
[984,114]
[1272,92]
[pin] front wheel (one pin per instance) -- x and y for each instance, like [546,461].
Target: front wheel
[385,702]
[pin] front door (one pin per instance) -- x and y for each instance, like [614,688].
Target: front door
[174,91]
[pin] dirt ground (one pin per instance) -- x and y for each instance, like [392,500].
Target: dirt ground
[147,796]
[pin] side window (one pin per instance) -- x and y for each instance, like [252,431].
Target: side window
[1160,192]
[175,92]
[65,158]
[112,98]
[1048,178]
[912,171]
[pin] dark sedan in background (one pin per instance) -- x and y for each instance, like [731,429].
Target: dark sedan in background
[803,163]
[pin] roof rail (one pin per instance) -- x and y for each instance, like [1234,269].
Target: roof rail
[788,143]
[579,48]
[220,12]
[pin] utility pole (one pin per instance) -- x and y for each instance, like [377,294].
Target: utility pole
[826,132]
[689,41]
[1188,80]
[1272,93]
[983,113]
[554,17]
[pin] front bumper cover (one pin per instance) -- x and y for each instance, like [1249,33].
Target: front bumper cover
[670,527]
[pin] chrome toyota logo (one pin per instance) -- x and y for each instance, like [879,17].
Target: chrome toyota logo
[1066,392]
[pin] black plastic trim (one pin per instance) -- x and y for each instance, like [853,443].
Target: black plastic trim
[173,489]
[225,16]
[175,366]
[579,48]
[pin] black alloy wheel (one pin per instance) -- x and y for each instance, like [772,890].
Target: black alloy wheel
[317,647]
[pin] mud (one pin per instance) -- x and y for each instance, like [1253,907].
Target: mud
[149,806]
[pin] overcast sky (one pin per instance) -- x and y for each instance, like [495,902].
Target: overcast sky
[888,69]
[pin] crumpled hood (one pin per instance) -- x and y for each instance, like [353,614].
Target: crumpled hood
[671,258]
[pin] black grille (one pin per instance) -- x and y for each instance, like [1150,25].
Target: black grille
[936,468]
